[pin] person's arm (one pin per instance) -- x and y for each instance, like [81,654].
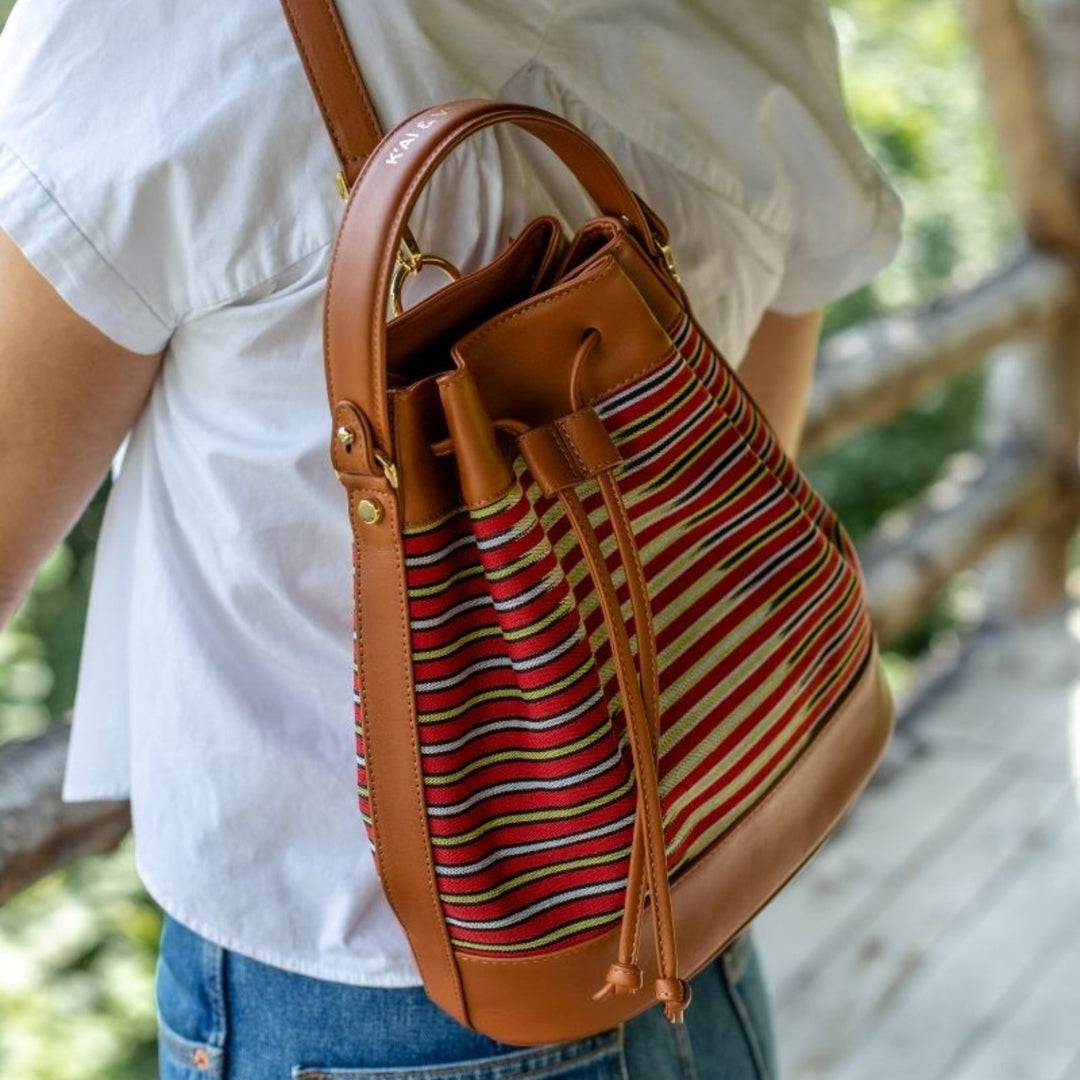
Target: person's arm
[68,395]
[778,369]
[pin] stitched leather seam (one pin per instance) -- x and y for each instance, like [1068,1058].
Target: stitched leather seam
[640,373]
[635,941]
[606,486]
[650,640]
[315,78]
[455,509]
[354,74]
[639,574]
[418,786]
[485,501]
[569,448]
[429,873]
[478,335]
[328,363]
[358,608]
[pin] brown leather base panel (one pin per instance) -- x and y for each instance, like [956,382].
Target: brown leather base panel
[526,1001]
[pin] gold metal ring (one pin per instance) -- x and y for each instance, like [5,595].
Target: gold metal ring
[411,260]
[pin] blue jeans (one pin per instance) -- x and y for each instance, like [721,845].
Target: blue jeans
[227,1017]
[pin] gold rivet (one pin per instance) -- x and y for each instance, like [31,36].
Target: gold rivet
[345,436]
[370,513]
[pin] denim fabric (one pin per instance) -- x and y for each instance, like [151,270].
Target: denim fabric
[227,1017]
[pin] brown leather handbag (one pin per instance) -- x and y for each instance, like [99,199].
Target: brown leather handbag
[614,663]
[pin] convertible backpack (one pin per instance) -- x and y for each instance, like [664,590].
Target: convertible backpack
[616,678]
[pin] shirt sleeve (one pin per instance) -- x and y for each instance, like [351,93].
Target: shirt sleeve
[158,161]
[65,111]
[743,102]
[846,216]
[66,257]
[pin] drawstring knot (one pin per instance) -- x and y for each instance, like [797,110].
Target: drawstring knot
[675,994]
[621,979]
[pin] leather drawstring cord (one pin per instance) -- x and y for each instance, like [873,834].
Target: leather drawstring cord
[639,688]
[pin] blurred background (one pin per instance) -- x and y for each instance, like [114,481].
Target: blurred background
[943,430]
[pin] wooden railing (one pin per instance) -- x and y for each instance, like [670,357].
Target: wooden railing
[1018,501]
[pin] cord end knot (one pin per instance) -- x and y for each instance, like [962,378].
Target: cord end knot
[620,979]
[675,994]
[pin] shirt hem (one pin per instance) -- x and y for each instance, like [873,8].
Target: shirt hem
[392,979]
[91,795]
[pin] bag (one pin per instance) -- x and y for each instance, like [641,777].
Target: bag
[614,663]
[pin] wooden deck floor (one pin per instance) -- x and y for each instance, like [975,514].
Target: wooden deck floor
[937,935]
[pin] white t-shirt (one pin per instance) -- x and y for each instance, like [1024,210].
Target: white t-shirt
[165,167]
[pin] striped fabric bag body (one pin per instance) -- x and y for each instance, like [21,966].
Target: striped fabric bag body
[760,631]
[616,677]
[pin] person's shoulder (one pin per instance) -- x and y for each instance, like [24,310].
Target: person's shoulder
[745,100]
[136,78]
[179,139]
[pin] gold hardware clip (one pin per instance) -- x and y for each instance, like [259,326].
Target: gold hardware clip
[388,467]
[669,259]
[411,260]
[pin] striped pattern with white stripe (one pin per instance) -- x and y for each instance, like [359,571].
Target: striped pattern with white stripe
[761,629]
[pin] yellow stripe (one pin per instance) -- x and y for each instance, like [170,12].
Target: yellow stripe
[566,750]
[564,607]
[546,939]
[511,497]
[457,643]
[434,526]
[714,657]
[642,425]
[531,557]
[733,559]
[687,455]
[446,583]
[535,875]
[507,693]
[752,739]
[528,816]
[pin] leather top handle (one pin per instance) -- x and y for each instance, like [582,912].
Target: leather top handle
[378,210]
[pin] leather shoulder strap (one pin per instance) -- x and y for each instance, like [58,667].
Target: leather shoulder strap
[335,80]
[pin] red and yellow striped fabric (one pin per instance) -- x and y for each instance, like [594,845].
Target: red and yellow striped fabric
[760,632]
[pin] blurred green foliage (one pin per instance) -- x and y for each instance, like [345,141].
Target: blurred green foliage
[915,96]
[77,951]
[77,955]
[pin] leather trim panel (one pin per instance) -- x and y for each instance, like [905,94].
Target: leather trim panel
[543,336]
[712,900]
[391,745]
